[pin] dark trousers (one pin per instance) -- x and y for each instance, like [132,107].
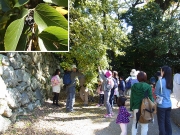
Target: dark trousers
[101,99]
[164,123]
[111,98]
[55,98]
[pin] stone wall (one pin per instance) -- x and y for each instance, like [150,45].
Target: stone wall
[24,83]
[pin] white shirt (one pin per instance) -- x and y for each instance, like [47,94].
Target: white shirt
[57,87]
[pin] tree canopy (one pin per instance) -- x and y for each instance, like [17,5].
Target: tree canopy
[33,25]
[100,34]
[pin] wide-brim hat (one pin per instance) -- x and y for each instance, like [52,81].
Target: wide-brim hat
[108,74]
[133,72]
[74,66]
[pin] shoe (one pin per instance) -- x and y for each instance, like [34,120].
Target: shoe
[98,105]
[107,115]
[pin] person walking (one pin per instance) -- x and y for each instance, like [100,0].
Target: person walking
[137,94]
[101,93]
[121,86]
[107,85]
[176,86]
[55,81]
[71,89]
[132,79]
[115,88]
[163,89]
[123,115]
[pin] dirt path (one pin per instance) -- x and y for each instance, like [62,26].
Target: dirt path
[51,120]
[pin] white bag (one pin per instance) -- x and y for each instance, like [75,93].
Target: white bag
[159,99]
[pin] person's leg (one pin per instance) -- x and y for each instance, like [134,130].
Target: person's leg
[54,98]
[106,101]
[57,99]
[86,94]
[72,98]
[123,127]
[68,99]
[144,129]
[111,97]
[81,92]
[168,127]
[134,129]
[161,120]
[100,99]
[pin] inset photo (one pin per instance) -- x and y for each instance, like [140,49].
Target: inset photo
[34,25]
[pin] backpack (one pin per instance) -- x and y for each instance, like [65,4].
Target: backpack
[146,111]
[67,78]
[130,83]
[109,83]
[115,83]
[54,81]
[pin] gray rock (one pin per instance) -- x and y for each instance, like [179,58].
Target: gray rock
[3,105]
[4,124]
[5,61]
[7,112]
[16,61]
[30,107]
[20,73]
[3,88]
[24,98]
[27,78]
[11,54]
[22,87]
[13,98]
[37,103]
[38,94]
[9,76]
[34,83]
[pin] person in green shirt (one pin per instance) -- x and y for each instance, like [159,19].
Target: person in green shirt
[137,94]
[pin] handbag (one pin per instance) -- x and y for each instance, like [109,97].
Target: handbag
[159,99]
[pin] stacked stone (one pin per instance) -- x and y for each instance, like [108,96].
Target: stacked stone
[24,83]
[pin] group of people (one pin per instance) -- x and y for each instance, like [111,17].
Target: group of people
[107,90]
[162,88]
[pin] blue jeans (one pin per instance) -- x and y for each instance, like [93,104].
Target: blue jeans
[111,98]
[106,101]
[70,98]
[164,123]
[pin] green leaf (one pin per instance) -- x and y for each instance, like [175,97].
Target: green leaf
[55,38]
[63,3]
[24,12]
[5,5]
[20,3]
[13,34]
[45,15]
[22,43]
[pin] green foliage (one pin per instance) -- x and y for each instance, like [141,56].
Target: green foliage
[94,29]
[25,25]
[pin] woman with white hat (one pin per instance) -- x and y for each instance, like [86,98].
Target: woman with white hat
[133,79]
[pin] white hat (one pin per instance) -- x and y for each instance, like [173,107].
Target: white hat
[74,66]
[133,72]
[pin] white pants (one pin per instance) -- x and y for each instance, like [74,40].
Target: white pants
[144,127]
[123,127]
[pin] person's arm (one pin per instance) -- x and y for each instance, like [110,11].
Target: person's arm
[131,99]
[150,93]
[101,74]
[157,88]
